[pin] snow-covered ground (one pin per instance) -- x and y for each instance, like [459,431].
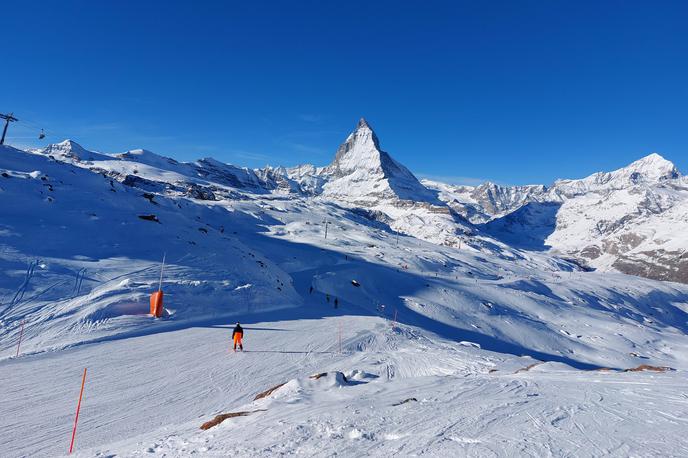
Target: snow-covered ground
[149,395]
[451,326]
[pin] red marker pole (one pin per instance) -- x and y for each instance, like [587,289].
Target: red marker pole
[78,407]
[21,334]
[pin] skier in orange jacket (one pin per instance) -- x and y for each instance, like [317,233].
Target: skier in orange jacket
[237,335]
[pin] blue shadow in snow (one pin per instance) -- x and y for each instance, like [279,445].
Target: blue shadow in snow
[526,228]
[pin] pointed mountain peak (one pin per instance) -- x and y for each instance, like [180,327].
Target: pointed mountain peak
[366,170]
[361,149]
[652,167]
[68,149]
[362,123]
[67,144]
[364,131]
[648,170]
[652,160]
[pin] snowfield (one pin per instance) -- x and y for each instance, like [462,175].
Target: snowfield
[446,340]
[148,396]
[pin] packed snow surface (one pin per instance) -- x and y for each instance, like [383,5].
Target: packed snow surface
[408,392]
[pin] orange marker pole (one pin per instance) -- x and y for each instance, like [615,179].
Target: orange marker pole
[156,299]
[21,333]
[78,407]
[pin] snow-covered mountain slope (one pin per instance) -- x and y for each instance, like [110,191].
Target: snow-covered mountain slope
[70,151]
[492,200]
[106,239]
[648,171]
[80,246]
[102,233]
[632,219]
[81,253]
[639,230]
[361,176]
[483,203]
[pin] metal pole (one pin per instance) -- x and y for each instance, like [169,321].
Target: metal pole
[4,131]
[162,267]
[8,118]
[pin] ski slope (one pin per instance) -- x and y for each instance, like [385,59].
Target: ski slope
[78,264]
[148,396]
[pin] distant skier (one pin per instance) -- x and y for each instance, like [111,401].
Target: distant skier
[336,302]
[327,298]
[310,291]
[237,335]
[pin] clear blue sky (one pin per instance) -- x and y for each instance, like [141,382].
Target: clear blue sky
[515,91]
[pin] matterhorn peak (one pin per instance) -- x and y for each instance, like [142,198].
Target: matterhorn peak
[360,149]
[362,168]
[362,123]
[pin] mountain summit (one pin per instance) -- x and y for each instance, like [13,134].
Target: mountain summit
[360,150]
[70,151]
[652,168]
[649,170]
[363,171]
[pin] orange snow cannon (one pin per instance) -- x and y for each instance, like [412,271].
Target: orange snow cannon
[156,304]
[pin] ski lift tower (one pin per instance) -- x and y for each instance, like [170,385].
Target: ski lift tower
[8,119]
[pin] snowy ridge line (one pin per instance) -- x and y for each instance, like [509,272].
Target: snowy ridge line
[627,220]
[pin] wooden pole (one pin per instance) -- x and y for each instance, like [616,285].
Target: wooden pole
[21,333]
[78,407]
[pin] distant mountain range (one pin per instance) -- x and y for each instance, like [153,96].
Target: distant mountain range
[633,220]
